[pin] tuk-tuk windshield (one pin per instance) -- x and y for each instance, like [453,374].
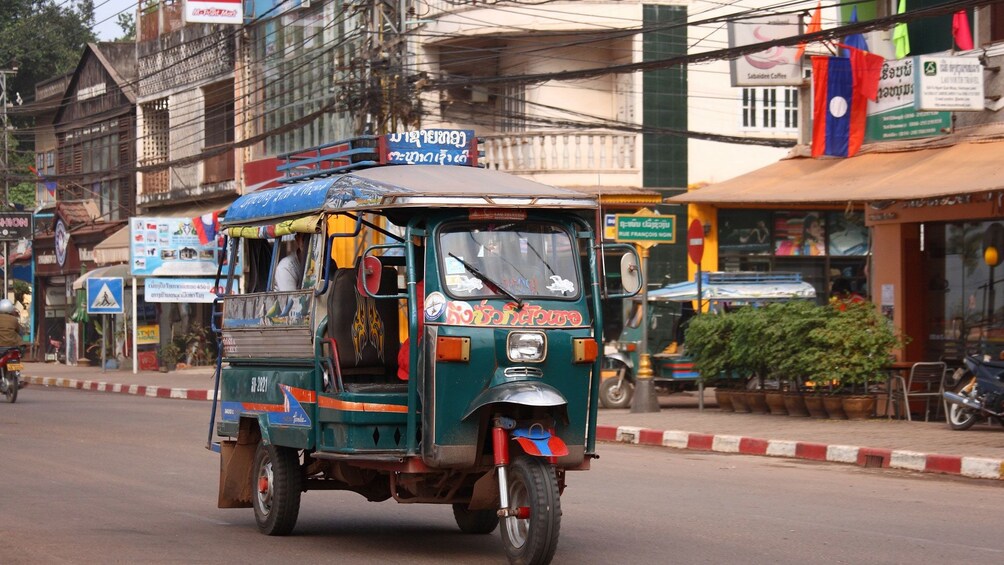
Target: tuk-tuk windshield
[525,259]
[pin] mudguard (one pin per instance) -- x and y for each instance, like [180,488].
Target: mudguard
[526,393]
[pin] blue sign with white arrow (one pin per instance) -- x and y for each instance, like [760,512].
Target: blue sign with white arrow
[104,295]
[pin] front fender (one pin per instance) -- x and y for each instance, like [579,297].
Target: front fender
[525,393]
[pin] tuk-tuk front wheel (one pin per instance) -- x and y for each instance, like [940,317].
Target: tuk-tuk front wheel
[475,521]
[616,392]
[533,493]
[276,484]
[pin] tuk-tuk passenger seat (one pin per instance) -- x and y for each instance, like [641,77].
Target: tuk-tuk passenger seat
[366,332]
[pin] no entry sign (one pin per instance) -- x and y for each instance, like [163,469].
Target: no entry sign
[695,241]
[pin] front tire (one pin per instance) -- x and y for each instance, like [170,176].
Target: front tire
[533,485]
[616,391]
[475,521]
[959,417]
[276,485]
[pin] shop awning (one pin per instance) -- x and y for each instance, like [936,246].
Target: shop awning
[968,167]
[104,272]
[114,249]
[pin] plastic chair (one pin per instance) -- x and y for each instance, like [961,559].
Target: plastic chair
[925,381]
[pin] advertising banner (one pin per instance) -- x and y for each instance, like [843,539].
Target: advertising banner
[949,84]
[171,247]
[15,226]
[180,290]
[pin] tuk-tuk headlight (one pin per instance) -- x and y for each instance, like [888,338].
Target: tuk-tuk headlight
[523,347]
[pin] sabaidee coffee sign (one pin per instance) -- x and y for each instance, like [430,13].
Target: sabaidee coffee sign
[15,226]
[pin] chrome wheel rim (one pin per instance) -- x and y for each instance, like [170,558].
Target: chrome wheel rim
[265,481]
[517,528]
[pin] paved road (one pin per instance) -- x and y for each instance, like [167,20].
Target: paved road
[97,478]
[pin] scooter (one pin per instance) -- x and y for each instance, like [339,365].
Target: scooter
[980,394]
[10,374]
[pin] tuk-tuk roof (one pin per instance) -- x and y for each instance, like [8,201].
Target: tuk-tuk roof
[401,186]
[738,287]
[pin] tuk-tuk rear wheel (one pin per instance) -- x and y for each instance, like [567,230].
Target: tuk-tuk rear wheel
[475,521]
[276,484]
[533,486]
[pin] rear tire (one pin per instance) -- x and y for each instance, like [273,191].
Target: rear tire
[10,388]
[475,521]
[276,485]
[532,484]
[961,418]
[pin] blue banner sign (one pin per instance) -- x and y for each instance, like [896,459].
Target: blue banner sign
[432,147]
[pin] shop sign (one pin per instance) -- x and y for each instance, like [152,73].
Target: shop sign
[15,226]
[948,84]
[214,11]
[181,290]
[892,116]
[45,259]
[62,238]
[148,335]
[776,66]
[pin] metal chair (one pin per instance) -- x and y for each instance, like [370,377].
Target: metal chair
[925,381]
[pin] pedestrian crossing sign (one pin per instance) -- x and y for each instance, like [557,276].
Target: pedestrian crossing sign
[104,295]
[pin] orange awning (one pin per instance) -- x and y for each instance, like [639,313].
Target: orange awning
[904,175]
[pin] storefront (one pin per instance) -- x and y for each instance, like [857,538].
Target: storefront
[932,214]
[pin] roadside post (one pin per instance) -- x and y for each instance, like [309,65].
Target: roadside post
[695,249]
[645,229]
[105,296]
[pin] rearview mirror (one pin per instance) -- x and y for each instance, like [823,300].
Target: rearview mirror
[630,274]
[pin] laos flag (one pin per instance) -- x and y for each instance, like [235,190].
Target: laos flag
[838,116]
[206,226]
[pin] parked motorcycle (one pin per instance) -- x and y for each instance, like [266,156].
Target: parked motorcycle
[979,395]
[10,374]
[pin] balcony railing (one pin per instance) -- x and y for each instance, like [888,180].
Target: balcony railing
[562,152]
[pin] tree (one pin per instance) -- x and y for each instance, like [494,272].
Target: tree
[127,22]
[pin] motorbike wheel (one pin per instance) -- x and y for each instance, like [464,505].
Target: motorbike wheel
[532,485]
[475,521]
[959,417]
[276,485]
[10,388]
[616,393]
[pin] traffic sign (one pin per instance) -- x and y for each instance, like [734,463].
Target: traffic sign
[646,228]
[695,241]
[104,295]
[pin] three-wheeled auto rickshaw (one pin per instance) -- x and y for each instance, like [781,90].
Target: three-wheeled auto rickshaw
[669,309]
[489,400]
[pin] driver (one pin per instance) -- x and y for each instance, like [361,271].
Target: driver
[10,326]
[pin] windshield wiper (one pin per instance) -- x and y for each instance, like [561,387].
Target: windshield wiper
[486,279]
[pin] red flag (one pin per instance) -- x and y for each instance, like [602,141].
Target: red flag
[206,227]
[816,24]
[960,31]
[867,70]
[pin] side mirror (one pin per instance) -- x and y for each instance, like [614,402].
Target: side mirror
[630,274]
[368,276]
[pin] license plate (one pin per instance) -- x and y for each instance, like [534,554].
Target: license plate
[15,367]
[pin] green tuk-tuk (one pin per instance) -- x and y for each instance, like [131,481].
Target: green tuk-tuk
[490,399]
[669,309]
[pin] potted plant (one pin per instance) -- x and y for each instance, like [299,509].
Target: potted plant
[854,345]
[751,354]
[169,355]
[707,338]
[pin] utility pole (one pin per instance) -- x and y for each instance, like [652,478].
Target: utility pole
[6,170]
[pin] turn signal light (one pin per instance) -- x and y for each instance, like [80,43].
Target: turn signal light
[453,349]
[584,350]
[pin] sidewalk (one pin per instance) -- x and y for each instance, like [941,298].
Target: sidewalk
[918,446]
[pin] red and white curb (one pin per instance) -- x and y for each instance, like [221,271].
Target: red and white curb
[972,467]
[138,390]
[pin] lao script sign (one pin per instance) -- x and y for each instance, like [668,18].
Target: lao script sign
[655,229]
[431,147]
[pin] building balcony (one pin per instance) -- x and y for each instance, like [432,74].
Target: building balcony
[567,158]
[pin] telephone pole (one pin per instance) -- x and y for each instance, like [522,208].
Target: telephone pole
[6,132]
